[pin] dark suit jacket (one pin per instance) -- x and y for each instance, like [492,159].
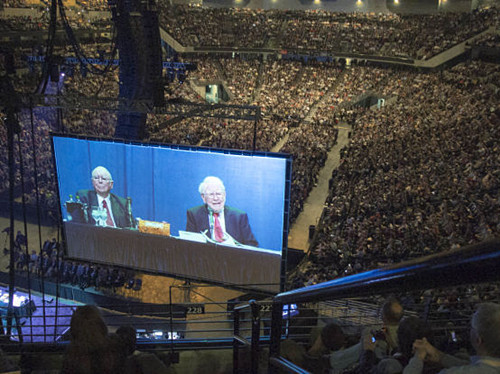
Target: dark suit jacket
[118,207]
[236,223]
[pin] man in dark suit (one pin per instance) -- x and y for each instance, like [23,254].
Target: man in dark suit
[118,214]
[218,221]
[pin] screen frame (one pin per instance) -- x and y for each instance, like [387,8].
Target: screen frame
[288,158]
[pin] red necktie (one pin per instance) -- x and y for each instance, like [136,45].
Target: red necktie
[219,234]
[109,221]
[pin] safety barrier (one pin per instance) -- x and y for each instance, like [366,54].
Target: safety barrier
[472,264]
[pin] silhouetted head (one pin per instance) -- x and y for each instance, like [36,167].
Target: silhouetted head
[485,330]
[333,337]
[87,327]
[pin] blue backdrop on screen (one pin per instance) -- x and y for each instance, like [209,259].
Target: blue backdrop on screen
[163,182]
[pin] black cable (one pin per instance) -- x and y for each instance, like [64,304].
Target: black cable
[37,190]
[110,67]
[76,47]
[58,280]
[23,197]
[49,49]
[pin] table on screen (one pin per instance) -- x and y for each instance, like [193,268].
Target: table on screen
[171,256]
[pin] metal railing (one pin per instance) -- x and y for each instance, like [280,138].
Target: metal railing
[247,328]
[240,340]
[472,264]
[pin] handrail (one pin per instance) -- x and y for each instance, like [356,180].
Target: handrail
[245,305]
[239,340]
[283,363]
[472,264]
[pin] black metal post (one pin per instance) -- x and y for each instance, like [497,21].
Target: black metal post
[236,343]
[171,322]
[38,218]
[274,344]
[10,103]
[257,118]
[254,348]
[21,170]
[11,122]
[254,135]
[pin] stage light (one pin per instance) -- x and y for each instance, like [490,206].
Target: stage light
[18,300]
[157,334]
[290,310]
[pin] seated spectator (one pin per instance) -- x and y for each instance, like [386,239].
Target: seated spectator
[392,312]
[331,338]
[484,337]
[137,362]
[329,351]
[374,344]
[319,357]
[410,329]
[91,350]
[293,352]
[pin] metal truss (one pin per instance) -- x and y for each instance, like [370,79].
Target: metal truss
[177,108]
[169,65]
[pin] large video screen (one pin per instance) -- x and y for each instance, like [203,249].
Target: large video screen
[205,214]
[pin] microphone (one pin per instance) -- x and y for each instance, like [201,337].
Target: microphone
[131,222]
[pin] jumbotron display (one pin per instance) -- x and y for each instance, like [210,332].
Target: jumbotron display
[205,214]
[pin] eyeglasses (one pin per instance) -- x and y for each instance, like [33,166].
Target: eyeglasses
[104,179]
[214,194]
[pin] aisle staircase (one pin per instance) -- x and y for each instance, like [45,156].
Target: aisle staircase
[313,206]
[314,107]
[258,83]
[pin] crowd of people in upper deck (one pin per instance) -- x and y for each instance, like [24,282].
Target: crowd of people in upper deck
[419,37]
[406,36]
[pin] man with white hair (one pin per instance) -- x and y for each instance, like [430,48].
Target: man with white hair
[116,207]
[221,223]
[484,337]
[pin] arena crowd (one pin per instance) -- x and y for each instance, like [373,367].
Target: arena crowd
[419,175]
